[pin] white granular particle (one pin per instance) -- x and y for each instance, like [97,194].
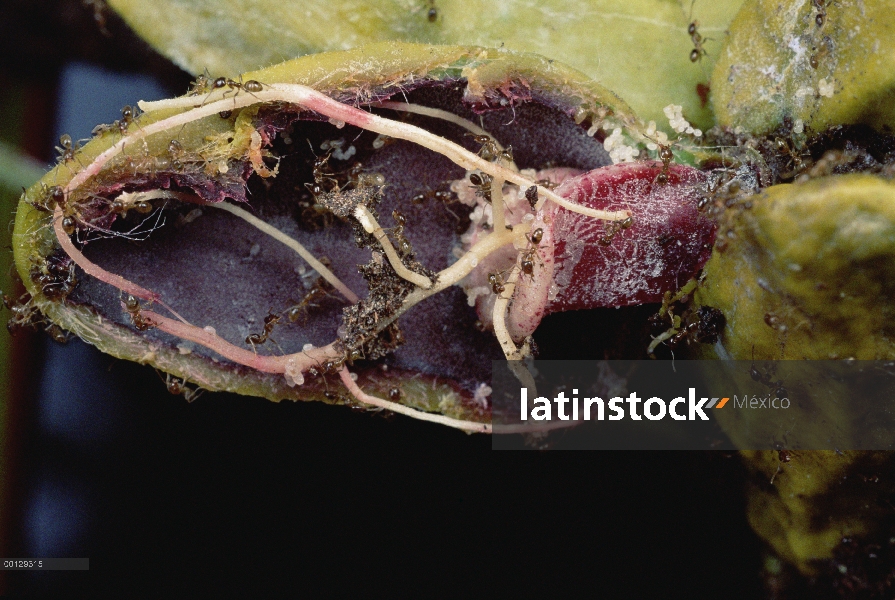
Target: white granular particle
[798,126]
[210,329]
[617,149]
[473,293]
[825,88]
[307,347]
[293,373]
[482,391]
[676,119]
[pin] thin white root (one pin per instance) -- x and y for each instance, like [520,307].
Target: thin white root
[278,235]
[497,205]
[444,115]
[366,398]
[323,104]
[499,316]
[523,374]
[368,222]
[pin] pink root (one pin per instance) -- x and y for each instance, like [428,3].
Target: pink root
[300,361]
[94,269]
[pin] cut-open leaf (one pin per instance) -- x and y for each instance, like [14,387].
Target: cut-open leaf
[266,237]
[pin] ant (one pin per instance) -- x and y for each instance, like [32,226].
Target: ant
[795,159]
[482,183]
[321,176]
[294,312]
[490,151]
[432,15]
[56,277]
[318,292]
[127,117]
[132,306]
[496,281]
[666,156]
[526,261]
[178,387]
[175,151]
[766,378]
[251,86]
[69,225]
[614,227]
[66,149]
[51,197]
[359,179]
[201,85]
[815,58]
[821,18]
[269,322]
[401,242]
[693,30]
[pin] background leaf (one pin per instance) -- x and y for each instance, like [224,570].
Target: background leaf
[640,48]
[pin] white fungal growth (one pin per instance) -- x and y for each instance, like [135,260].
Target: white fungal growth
[677,121]
[481,394]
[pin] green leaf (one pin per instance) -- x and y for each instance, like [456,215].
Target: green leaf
[766,72]
[639,49]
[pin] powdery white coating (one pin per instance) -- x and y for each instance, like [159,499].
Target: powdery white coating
[667,244]
[478,290]
[531,297]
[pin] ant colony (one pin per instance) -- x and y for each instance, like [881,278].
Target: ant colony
[327,245]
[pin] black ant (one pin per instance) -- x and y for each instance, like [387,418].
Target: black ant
[321,176]
[55,277]
[317,293]
[178,387]
[358,178]
[666,156]
[490,151]
[293,313]
[432,15]
[496,281]
[401,242]
[482,183]
[202,85]
[821,18]
[526,261]
[259,338]
[693,30]
[175,152]
[24,313]
[815,58]
[51,197]
[127,117]
[795,159]
[132,306]
[66,149]
[251,86]
[613,228]
[69,225]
